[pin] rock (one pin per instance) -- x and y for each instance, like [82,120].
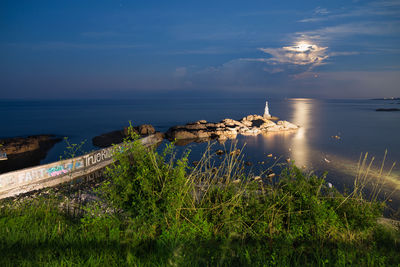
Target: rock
[19,145]
[254,118]
[195,127]
[146,129]
[267,124]
[23,152]
[227,133]
[116,137]
[282,126]
[107,139]
[215,125]
[252,131]
[247,123]
[231,123]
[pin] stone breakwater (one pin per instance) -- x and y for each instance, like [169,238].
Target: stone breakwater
[227,128]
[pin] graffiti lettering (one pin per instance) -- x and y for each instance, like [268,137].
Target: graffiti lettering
[62,169]
[31,175]
[98,156]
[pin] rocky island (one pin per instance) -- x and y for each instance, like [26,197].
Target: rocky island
[228,128]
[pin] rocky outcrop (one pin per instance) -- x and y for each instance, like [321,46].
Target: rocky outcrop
[227,128]
[23,152]
[116,137]
[18,145]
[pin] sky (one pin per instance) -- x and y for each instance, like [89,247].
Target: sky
[124,49]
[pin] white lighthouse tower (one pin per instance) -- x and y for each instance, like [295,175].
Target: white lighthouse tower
[266,111]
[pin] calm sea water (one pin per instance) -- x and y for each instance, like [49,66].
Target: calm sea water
[360,127]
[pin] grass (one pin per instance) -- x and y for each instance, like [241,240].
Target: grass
[155,210]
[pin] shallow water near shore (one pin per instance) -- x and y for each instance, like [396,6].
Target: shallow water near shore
[355,123]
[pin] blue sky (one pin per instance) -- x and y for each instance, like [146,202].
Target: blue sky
[120,48]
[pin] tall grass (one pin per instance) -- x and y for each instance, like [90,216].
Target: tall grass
[156,209]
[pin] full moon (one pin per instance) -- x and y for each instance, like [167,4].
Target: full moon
[303,47]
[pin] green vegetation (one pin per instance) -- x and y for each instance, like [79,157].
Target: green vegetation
[155,210]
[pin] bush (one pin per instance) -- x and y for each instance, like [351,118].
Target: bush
[156,210]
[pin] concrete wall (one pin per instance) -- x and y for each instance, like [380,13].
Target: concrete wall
[29,179]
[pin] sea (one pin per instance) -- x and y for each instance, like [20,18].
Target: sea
[333,136]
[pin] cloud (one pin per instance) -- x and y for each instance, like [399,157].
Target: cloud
[303,54]
[339,32]
[352,53]
[386,9]
[321,11]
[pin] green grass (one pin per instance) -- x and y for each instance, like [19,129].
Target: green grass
[155,210]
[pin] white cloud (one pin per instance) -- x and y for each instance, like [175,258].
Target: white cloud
[321,11]
[386,9]
[301,54]
[352,53]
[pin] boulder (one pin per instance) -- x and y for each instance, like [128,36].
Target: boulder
[231,123]
[107,139]
[116,137]
[282,126]
[146,129]
[225,134]
[196,127]
[251,131]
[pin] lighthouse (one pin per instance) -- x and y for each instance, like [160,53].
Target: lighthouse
[266,111]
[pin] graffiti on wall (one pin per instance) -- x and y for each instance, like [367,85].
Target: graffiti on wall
[98,156]
[62,169]
[57,168]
